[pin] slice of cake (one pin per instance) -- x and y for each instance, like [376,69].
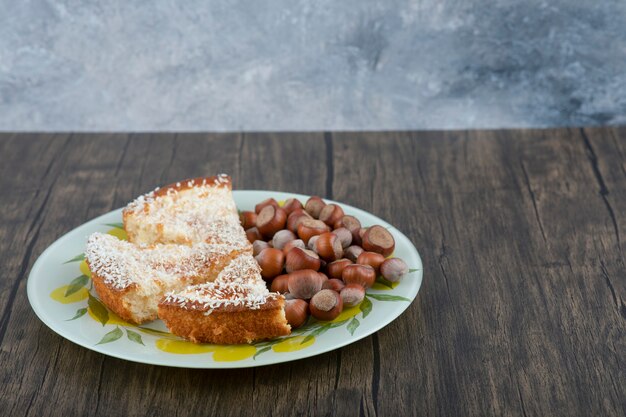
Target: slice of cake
[235,308]
[187,212]
[131,279]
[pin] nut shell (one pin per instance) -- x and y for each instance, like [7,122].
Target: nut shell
[280,284]
[270,220]
[298,259]
[335,268]
[333,284]
[344,236]
[305,283]
[328,247]
[326,305]
[293,220]
[372,259]
[247,219]
[378,239]
[258,246]
[271,261]
[352,295]
[282,237]
[292,204]
[353,252]
[253,234]
[331,213]
[296,312]
[314,206]
[394,269]
[297,243]
[363,275]
[311,227]
[265,203]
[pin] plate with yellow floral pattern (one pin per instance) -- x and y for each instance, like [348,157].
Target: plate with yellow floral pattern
[62,295]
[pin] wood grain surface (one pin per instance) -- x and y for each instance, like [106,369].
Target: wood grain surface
[522,311]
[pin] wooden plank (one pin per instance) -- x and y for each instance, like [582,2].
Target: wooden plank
[521,313]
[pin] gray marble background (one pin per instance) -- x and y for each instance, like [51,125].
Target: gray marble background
[218,65]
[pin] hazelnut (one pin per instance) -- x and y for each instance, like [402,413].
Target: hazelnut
[352,295]
[247,219]
[378,239]
[328,246]
[330,214]
[271,261]
[394,269]
[353,225]
[333,284]
[353,252]
[253,234]
[363,275]
[372,259]
[279,284]
[270,220]
[296,312]
[311,244]
[298,259]
[281,238]
[314,206]
[293,220]
[326,305]
[298,243]
[265,203]
[344,236]
[304,283]
[258,246]
[335,268]
[292,204]
[309,228]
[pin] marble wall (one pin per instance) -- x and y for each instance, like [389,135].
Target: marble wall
[310,65]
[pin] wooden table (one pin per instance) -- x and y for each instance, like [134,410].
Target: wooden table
[522,311]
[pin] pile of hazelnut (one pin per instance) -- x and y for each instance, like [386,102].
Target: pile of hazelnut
[321,259]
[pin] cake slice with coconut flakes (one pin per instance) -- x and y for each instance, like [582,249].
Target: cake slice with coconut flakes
[187,212]
[235,308]
[131,279]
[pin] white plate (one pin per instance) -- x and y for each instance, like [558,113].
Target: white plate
[57,268]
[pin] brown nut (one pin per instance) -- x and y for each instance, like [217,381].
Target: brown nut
[311,227]
[314,206]
[353,225]
[298,243]
[328,247]
[293,220]
[344,236]
[292,204]
[305,283]
[247,219]
[326,305]
[280,284]
[372,259]
[271,261]
[298,259]
[353,252]
[363,275]
[258,246]
[333,284]
[335,268]
[281,238]
[296,312]
[311,244]
[394,269]
[265,203]
[331,213]
[378,239]
[352,295]
[253,235]
[270,220]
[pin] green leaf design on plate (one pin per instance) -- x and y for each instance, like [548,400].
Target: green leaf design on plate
[134,337]
[317,332]
[353,325]
[381,280]
[365,306]
[262,350]
[77,258]
[116,225]
[98,310]
[112,336]
[386,297]
[76,284]
[413,270]
[79,313]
